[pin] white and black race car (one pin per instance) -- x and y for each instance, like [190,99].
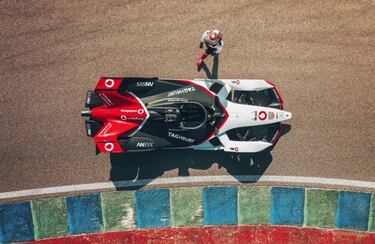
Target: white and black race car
[142,114]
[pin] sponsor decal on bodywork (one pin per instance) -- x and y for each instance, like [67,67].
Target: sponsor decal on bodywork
[105,129]
[139,111]
[106,99]
[130,114]
[88,129]
[109,146]
[124,118]
[145,144]
[271,115]
[255,115]
[145,84]
[109,83]
[237,82]
[180,137]
[181,91]
[262,115]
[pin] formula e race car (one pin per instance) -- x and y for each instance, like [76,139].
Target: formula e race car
[144,114]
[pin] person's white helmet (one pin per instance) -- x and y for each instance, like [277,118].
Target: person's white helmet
[213,36]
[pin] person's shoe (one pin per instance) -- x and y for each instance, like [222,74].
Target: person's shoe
[199,63]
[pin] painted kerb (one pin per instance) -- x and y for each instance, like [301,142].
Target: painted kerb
[186,207]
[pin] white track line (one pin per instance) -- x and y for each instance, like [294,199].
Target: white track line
[187,180]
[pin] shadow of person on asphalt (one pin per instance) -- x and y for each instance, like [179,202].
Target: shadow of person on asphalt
[135,170]
[215,68]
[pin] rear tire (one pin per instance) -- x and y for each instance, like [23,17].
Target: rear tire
[93,100]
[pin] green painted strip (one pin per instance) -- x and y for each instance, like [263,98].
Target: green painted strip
[320,208]
[49,217]
[118,210]
[186,207]
[254,205]
[371,221]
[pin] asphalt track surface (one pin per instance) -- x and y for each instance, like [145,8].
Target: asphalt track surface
[320,54]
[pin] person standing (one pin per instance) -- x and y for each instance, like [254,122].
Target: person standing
[213,39]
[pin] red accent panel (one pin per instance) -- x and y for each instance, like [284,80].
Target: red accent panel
[113,98]
[278,93]
[281,107]
[109,83]
[109,146]
[121,114]
[226,116]
[277,135]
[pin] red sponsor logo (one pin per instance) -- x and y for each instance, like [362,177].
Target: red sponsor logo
[109,83]
[109,146]
[141,111]
[262,115]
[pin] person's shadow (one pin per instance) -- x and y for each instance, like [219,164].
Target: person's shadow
[214,74]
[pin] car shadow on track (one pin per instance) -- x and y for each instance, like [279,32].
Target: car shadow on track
[135,170]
